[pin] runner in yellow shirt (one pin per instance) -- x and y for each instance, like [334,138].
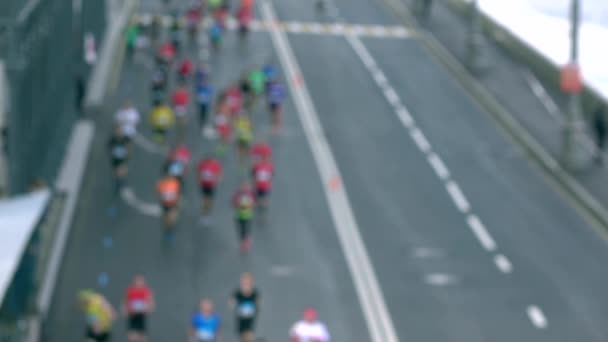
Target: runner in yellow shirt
[162,119]
[99,315]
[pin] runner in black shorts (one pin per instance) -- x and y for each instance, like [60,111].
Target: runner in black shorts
[119,154]
[246,303]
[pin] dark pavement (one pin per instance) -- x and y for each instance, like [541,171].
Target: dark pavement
[401,207]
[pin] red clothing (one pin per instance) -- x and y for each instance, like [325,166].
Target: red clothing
[180,97]
[138,299]
[167,51]
[222,125]
[260,152]
[182,154]
[262,175]
[244,15]
[186,67]
[234,100]
[209,172]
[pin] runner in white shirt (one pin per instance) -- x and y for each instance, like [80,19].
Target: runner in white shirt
[309,329]
[128,118]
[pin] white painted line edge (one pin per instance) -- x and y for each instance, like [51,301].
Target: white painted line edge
[503,264]
[481,233]
[420,140]
[537,317]
[438,166]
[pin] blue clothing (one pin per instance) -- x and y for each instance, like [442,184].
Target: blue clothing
[206,329]
[276,93]
[204,93]
[269,71]
[201,76]
[215,32]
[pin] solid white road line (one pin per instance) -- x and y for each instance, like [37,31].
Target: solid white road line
[503,264]
[438,166]
[420,140]
[380,79]
[481,233]
[457,196]
[537,317]
[370,296]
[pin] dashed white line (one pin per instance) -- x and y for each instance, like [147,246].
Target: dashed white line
[420,140]
[438,166]
[367,287]
[457,196]
[391,96]
[503,264]
[405,116]
[486,240]
[537,317]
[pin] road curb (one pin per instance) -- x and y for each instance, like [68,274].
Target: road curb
[515,130]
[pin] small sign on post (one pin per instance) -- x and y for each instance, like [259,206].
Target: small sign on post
[570,79]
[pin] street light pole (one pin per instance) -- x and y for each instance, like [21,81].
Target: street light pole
[574,110]
[474,37]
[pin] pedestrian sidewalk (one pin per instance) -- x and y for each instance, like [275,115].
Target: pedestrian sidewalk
[534,105]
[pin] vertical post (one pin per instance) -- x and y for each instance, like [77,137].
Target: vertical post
[574,110]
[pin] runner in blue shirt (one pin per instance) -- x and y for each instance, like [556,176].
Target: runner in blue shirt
[205,325]
[276,95]
[204,96]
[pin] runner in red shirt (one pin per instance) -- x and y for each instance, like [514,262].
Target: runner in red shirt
[244,16]
[223,123]
[180,99]
[262,173]
[209,175]
[139,302]
[260,151]
[166,53]
[234,98]
[185,70]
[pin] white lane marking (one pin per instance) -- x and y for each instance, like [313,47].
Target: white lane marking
[427,253]
[457,196]
[148,145]
[316,28]
[420,140]
[439,279]
[379,31]
[537,317]
[438,166]
[544,98]
[503,264]
[404,115]
[391,96]
[149,209]
[281,271]
[294,27]
[370,295]
[486,240]
[380,79]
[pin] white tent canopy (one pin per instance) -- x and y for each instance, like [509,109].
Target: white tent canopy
[19,217]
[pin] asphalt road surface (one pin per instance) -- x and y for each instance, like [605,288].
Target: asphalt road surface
[467,241]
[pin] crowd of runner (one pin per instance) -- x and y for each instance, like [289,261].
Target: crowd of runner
[179,83]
